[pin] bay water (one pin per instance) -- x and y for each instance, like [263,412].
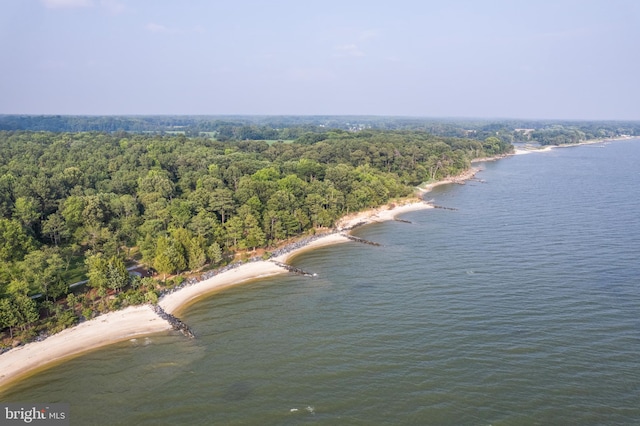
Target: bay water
[519,307]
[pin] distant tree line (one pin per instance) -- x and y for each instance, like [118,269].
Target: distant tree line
[571,134]
[287,128]
[85,204]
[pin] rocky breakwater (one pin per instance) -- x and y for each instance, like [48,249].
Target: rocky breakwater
[294,269]
[361,240]
[442,207]
[402,220]
[174,322]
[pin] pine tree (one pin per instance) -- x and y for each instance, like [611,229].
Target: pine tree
[253,234]
[195,253]
[215,253]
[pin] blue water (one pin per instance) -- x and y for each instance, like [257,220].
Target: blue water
[521,307]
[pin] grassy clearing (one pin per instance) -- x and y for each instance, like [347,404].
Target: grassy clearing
[77,271]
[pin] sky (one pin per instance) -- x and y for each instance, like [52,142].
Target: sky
[543,59]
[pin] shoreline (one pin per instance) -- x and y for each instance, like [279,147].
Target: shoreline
[547,148]
[459,179]
[136,321]
[112,327]
[176,302]
[322,241]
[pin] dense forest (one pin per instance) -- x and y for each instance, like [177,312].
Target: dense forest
[90,204]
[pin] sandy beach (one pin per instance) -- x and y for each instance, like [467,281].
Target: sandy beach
[326,240]
[460,179]
[104,330]
[529,151]
[174,302]
[547,148]
[142,320]
[381,214]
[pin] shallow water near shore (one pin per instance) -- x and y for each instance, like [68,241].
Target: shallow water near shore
[520,307]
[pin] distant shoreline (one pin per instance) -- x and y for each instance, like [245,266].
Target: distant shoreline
[546,148]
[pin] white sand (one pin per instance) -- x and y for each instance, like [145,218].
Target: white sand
[533,150]
[548,148]
[171,303]
[461,178]
[381,214]
[106,329]
[326,240]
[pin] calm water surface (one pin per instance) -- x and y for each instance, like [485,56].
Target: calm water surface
[521,307]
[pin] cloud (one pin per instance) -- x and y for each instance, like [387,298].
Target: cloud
[114,7]
[348,50]
[66,4]
[156,28]
[163,29]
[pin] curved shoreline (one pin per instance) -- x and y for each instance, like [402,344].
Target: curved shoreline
[176,302]
[112,327]
[136,321]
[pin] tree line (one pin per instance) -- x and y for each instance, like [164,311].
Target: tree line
[287,128]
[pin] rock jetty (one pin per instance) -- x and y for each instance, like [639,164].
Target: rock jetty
[174,322]
[444,208]
[361,240]
[402,220]
[294,269]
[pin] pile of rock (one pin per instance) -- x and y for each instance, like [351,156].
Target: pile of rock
[294,269]
[175,323]
[362,240]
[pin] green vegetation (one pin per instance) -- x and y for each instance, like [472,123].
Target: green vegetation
[289,128]
[75,205]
